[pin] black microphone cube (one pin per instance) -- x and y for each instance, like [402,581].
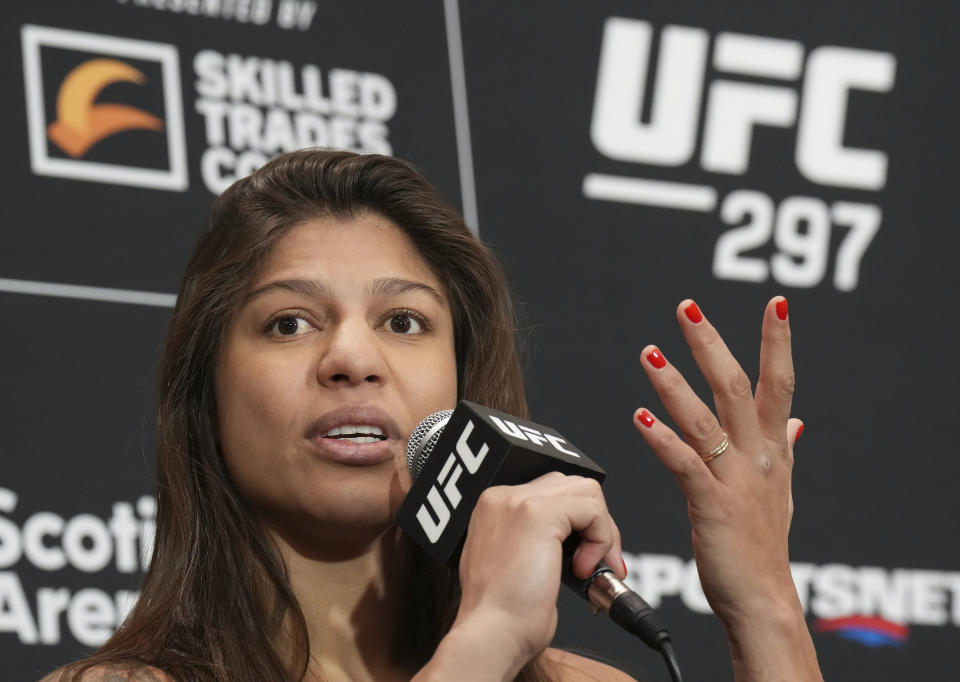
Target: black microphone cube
[479,448]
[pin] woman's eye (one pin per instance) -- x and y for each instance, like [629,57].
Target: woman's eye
[405,324]
[289,325]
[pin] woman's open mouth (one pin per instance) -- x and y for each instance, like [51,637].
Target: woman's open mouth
[356,433]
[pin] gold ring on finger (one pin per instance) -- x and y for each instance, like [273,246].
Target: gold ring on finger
[717,451]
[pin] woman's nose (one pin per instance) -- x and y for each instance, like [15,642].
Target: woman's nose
[353,356]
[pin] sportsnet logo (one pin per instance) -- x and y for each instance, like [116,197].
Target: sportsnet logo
[871,632]
[871,605]
[104,109]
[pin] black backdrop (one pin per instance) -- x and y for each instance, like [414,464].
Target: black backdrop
[848,170]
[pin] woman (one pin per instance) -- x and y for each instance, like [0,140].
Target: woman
[333,302]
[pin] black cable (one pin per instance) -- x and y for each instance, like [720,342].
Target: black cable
[633,614]
[625,607]
[670,657]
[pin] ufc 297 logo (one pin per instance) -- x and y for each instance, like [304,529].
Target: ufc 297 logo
[808,91]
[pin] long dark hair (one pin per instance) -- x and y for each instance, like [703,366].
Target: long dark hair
[216,596]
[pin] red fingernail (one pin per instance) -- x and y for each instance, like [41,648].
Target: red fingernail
[656,359]
[646,418]
[799,432]
[693,313]
[624,565]
[782,309]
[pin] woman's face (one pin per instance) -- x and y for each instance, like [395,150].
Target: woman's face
[344,343]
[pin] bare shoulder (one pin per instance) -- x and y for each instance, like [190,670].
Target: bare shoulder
[113,673]
[570,667]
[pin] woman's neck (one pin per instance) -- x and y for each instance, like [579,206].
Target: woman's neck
[348,595]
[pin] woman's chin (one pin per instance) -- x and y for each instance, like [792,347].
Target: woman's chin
[332,528]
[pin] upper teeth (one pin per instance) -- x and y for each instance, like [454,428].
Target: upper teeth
[352,429]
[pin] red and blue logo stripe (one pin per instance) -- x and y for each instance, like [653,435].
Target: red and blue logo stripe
[870,631]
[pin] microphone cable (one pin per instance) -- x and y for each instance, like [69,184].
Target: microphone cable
[626,608]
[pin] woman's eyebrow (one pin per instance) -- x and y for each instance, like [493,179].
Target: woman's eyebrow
[389,286]
[307,287]
[392,286]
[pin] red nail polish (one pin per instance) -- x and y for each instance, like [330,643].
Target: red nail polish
[646,418]
[782,309]
[799,433]
[693,313]
[624,565]
[656,359]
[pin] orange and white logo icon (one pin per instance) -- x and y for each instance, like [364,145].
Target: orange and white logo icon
[80,122]
[87,109]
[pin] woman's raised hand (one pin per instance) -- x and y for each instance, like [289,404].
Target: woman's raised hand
[740,508]
[735,470]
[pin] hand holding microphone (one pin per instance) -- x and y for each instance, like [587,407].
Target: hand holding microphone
[504,479]
[517,590]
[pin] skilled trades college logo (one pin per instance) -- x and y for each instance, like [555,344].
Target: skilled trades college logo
[104,109]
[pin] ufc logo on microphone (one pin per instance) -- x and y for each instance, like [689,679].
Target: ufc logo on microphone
[526,433]
[465,458]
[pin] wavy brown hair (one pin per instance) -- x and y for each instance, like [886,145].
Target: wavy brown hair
[216,597]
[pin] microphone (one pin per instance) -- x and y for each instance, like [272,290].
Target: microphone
[454,455]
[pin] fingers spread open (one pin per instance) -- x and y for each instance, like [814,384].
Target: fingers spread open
[698,423]
[775,386]
[731,388]
[693,476]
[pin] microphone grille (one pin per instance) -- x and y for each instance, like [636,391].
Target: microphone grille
[423,439]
